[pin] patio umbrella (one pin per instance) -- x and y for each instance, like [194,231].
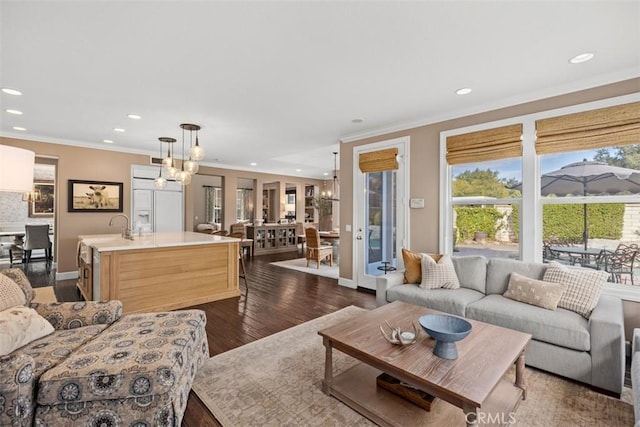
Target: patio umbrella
[589,177]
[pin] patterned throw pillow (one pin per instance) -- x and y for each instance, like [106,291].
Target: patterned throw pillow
[534,292]
[440,274]
[10,293]
[19,326]
[17,275]
[583,287]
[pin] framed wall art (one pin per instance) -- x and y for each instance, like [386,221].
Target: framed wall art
[42,206]
[95,196]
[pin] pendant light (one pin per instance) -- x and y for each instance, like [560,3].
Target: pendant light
[190,165]
[161,182]
[182,176]
[197,152]
[169,162]
[333,193]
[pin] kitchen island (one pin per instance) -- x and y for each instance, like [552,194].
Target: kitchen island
[158,272]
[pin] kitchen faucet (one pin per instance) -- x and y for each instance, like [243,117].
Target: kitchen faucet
[126,231]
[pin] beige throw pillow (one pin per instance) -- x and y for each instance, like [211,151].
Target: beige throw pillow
[583,287]
[413,265]
[11,294]
[534,292]
[19,326]
[440,274]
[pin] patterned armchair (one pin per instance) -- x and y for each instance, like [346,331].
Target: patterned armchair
[98,368]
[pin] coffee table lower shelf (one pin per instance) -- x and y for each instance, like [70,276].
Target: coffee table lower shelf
[357,388]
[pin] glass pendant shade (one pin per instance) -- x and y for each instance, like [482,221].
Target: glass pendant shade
[172,171]
[160,182]
[191,166]
[183,177]
[197,152]
[166,162]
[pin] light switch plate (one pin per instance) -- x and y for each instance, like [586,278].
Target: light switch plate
[416,203]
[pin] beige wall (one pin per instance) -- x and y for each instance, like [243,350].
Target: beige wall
[102,165]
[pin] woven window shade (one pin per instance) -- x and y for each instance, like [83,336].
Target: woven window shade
[378,161]
[490,144]
[605,127]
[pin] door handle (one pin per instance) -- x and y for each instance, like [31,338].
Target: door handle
[359,238]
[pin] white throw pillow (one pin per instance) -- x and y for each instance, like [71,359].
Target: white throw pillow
[11,294]
[583,287]
[439,274]
[19,326]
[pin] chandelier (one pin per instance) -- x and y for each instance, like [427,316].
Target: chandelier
[332,194]
[188,167]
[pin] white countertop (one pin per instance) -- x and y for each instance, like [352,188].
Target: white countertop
[115,242]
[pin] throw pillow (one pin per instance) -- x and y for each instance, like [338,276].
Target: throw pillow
[17,275]
[535,292]
[19,326]
[583,287]
[413,265]
[11,294]
[440,274]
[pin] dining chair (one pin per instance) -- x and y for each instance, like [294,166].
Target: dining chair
[36,237]
[300,236]
[315,250]
[622,261]
[243,267]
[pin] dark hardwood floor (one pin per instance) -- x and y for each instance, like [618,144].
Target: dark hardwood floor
[277,299]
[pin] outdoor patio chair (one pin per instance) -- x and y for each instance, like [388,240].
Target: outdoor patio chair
[622,261]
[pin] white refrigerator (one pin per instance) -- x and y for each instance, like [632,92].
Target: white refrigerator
[154,209]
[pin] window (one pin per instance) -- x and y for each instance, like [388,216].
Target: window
[213,200]
[244,204]
[484,209]
[573,195]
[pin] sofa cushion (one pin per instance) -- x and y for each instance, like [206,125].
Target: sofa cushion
[584,287]
[439,274]
[561,327]
[19,326]
[472,272]
[535,292]
[453,301]
[11,295]
[499,272]
[139,356]
[49,351]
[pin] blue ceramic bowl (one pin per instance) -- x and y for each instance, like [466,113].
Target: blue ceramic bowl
[446,330]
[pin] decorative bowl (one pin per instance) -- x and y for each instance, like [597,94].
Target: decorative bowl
[446,330]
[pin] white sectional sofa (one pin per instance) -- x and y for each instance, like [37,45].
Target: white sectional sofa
[591,350]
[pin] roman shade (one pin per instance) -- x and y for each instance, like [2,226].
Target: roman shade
[378,161]
[489,144]
[605,127]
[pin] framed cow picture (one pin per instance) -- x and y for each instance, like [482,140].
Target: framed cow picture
[95,196]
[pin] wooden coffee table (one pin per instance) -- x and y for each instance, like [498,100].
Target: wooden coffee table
[474,382]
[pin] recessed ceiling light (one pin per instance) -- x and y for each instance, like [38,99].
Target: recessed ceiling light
[326,174]
[118,130]
[298,170]
[464,91]
[583,57]
[134,116]
[16,112]
[107,141]
[357,121]
[253,164]
[20,128]
[10,91]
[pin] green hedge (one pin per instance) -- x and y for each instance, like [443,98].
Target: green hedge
[470,219]
[605,221]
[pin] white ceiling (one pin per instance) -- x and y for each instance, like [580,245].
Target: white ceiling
[278,83]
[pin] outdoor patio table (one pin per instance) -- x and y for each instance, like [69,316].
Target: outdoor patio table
[580,252]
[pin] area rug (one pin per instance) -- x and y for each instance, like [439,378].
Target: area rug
[276,381]
[300,264]
[45,294]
